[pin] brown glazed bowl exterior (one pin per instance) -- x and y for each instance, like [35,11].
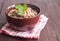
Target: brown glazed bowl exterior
[19,24]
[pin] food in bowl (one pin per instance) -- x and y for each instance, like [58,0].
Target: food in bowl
[22,11]
[22,16]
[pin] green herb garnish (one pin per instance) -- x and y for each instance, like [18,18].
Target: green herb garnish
[25,7]
[18,7]
[21,9]
[20,12]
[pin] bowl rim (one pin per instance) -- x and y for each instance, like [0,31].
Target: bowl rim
[11,6]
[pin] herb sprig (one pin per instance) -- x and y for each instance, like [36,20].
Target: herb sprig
[21,8]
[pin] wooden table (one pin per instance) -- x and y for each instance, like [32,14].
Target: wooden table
[50,8]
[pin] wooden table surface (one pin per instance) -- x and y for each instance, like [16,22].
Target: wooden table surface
[50,8]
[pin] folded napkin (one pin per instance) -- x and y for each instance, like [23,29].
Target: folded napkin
[34,33]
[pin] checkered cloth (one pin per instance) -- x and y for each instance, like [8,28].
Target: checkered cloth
[34,33]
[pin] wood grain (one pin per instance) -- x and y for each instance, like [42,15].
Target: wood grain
[50,8]
[1,5]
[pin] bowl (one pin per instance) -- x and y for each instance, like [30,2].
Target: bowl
[23,24]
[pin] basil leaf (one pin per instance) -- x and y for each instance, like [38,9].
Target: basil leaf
[20,12]
[24,7]
[18,7]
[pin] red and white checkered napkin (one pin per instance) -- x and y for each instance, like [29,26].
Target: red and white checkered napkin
[34,33]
